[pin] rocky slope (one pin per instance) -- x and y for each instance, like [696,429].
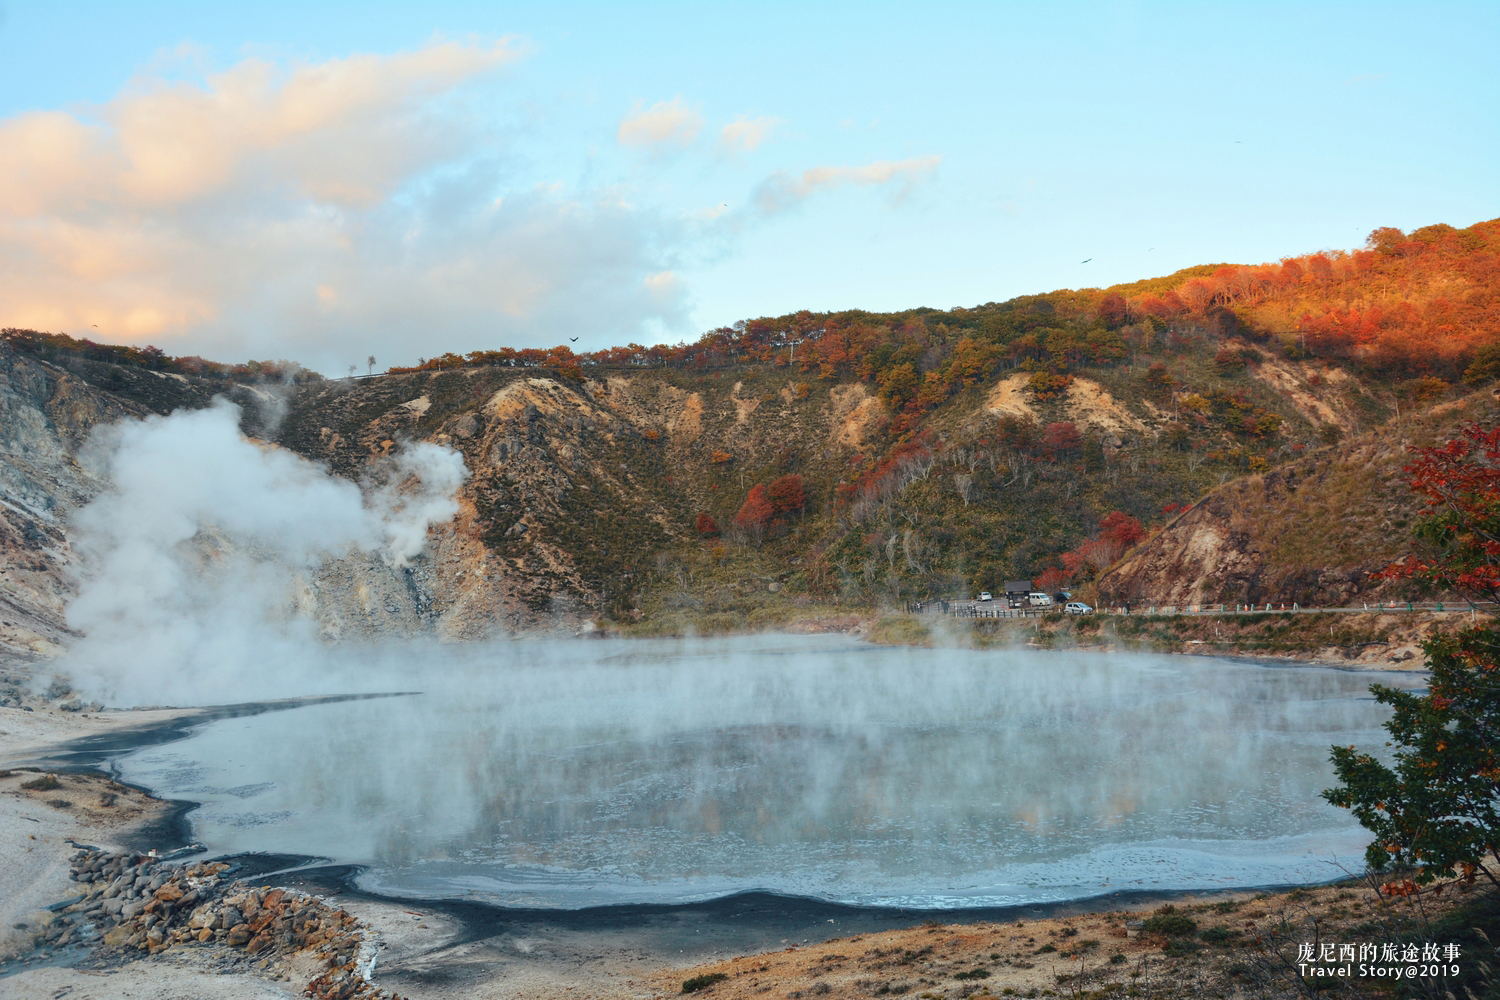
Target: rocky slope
[583,494]
[46,415]
[1310,531]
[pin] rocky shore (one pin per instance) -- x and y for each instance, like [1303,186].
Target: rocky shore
[134,903]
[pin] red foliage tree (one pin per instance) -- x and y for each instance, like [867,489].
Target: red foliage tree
[787,495]
[705,525]
[755,513]
[1117,533]
[1121,529]
[1112,310]
[1061,438]
[1052,578]
[1461,525]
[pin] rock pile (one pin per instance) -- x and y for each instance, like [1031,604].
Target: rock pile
[137,903]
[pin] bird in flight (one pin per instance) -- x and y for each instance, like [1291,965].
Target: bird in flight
[1085,261]
[573,339]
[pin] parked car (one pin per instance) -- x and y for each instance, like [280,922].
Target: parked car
[1039,599]
[1077,608]
[986,596]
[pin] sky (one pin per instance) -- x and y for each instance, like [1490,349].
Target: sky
[330,182]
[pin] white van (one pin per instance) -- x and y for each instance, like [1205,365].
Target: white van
[1039,599]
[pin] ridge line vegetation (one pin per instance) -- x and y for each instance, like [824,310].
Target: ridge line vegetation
[1040,437]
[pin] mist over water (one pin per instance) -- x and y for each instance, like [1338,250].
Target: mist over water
[590,772]
[582,773]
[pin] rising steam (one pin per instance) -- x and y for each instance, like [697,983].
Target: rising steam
[189,556]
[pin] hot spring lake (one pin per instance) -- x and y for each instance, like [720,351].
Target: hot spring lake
[571,774]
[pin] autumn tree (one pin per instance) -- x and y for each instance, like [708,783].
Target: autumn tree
[1112,310]
[755,514]
[1436,807]
[1121,531]
[1159,382]
[705,525]
[1061,438]
[787,494]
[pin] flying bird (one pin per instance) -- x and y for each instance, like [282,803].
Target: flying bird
[573,339]
[1085,261]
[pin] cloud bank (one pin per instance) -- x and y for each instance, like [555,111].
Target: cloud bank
[744,135]
[782,191]
[323,211]
[664,124]
[391,205]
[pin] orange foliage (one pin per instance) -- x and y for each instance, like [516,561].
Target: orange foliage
[1405,304]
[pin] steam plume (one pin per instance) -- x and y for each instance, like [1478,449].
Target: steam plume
[190,554]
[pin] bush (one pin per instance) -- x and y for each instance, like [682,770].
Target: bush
[702,982]
[1167,921]
[45,783]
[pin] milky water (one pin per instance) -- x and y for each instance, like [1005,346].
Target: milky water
[582,773]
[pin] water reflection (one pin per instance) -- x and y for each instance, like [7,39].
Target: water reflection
[578,773]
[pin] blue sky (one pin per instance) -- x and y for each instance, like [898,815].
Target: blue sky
[324,182]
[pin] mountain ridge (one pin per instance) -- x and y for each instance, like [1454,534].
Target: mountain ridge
[615,489]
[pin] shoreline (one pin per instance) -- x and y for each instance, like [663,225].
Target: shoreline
[1281,637]
[453,948]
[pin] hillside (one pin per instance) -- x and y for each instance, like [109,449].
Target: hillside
[1310,531]
[813,464]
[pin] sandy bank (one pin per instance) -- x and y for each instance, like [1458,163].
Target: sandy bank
[36,824]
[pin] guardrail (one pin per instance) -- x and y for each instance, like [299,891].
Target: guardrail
[1295,608]
[1001,609]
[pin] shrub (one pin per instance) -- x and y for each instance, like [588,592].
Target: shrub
[1169,922]
[45,783]
[787,494]
[697,983]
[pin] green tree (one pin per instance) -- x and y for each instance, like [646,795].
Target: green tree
[1486,365]
[1436,806]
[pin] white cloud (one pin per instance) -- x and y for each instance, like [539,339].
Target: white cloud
[666,123]
[319,211]
[744,135]
[664,285]
[782,191]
